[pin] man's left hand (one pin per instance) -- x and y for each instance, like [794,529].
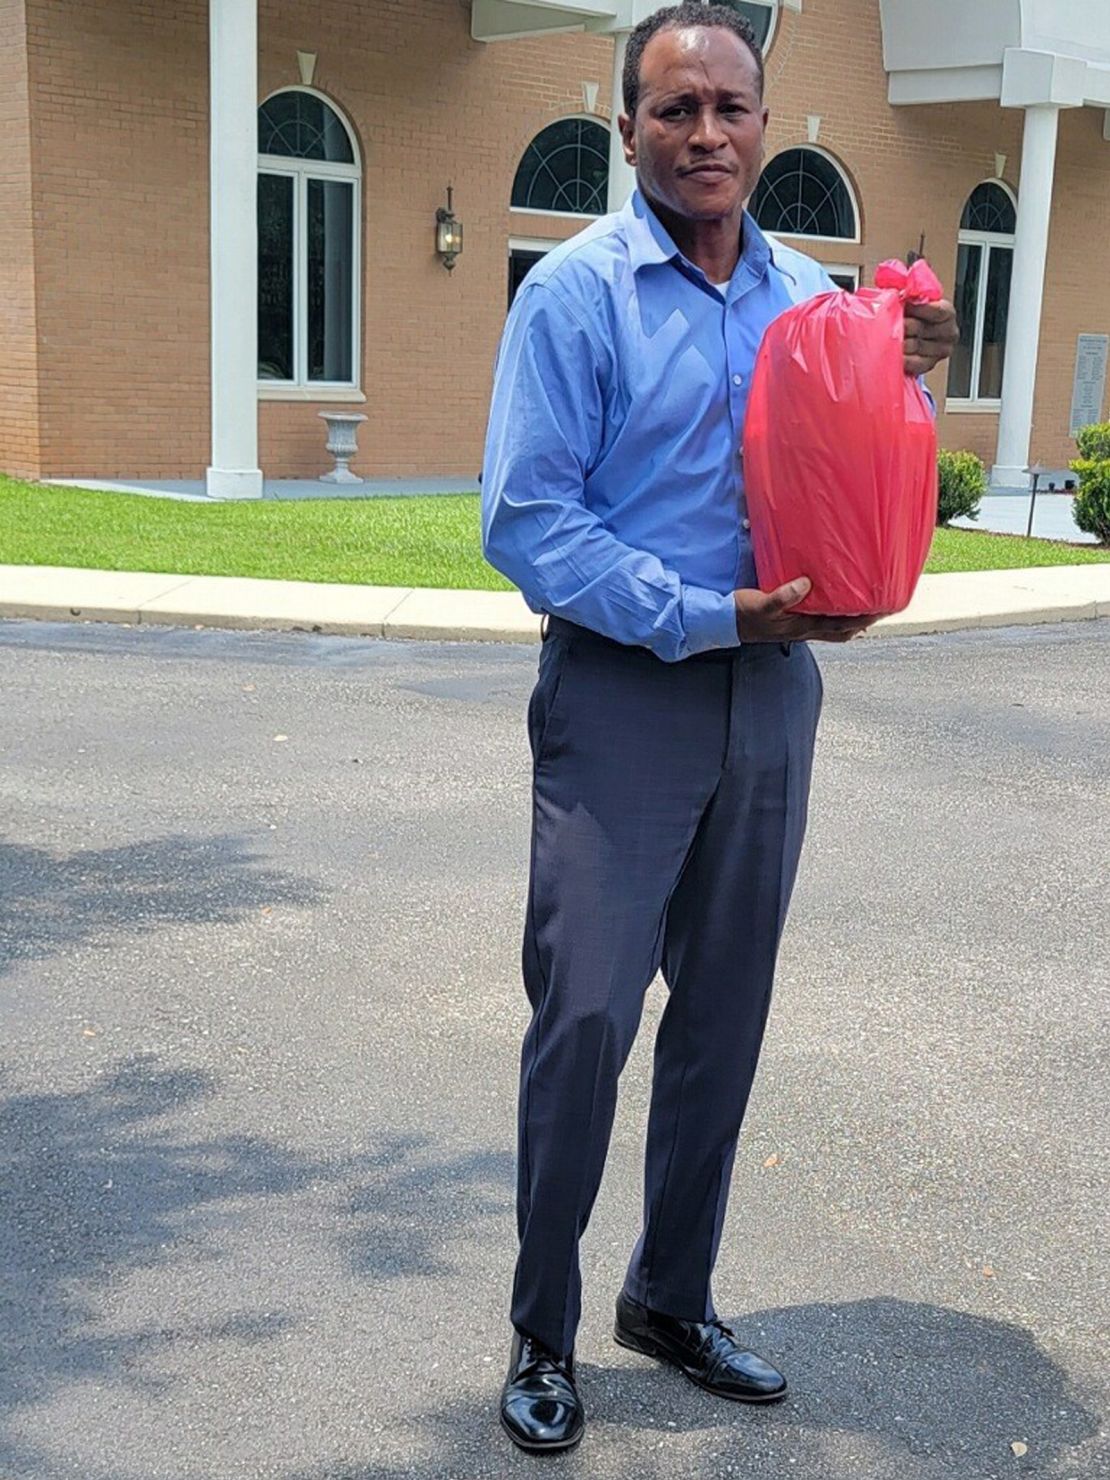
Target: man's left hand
[932,333]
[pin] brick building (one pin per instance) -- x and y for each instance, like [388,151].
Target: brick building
[218,217]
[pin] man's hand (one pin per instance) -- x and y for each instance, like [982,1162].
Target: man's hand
[932,333]
[766,617]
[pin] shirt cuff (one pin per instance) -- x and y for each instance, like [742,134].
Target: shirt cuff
[709,619]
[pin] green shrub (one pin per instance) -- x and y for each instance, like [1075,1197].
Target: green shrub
[1094,443]
[963,482]
[1092,502]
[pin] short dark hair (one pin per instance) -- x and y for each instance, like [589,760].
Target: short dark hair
[680,18]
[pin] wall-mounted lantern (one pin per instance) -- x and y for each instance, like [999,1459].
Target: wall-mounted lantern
[449,234]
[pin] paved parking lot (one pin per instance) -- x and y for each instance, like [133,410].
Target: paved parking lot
[260,900]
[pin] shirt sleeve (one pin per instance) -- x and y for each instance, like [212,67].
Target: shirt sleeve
[544,436]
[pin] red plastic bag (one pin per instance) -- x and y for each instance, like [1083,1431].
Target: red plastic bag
[840,449]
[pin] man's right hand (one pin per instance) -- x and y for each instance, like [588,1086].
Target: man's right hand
[767,617]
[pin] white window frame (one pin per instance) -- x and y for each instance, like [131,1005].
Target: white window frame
[302,171]
[988,241]
[556,215]
[535,243]
[840,269]
[775,7]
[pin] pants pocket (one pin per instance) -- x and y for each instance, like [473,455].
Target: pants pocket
[554,658]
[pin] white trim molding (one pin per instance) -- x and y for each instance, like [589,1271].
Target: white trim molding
[843,269]
[281,390]
[972,408]
[535,243]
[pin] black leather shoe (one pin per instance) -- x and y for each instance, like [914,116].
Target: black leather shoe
[540,1407]
[706,1352]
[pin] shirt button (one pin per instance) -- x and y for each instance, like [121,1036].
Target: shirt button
[746,523]
[738,380]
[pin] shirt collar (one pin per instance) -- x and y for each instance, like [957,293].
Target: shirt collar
[649,241]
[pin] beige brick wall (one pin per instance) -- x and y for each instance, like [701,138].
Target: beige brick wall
[118,99]
[19,452]
[120,93]
[452,110]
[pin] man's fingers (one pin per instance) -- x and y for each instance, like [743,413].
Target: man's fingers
[921,364]
[931,313]
[932,333]
[837,629]
[789,595]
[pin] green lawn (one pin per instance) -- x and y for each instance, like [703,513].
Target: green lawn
[379,542]
[970,549]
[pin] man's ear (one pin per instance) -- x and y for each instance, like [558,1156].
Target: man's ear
[628,138]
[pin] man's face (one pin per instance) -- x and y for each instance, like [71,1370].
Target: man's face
[697,138]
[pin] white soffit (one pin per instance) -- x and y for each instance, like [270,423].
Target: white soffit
[946,85]
[1077,28]
[1021,52]
[510,20]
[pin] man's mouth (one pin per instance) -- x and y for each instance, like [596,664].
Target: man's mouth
[708,169]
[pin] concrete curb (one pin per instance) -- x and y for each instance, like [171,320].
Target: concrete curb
[1000,598]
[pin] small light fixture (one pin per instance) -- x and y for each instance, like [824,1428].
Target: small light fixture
[449,233]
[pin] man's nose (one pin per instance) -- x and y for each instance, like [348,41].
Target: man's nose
[708,133]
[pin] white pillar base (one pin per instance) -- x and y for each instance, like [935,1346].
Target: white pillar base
[228,483]
[1010,478]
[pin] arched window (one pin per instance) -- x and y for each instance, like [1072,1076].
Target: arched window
[565,169]
[805,193]
[308,238]
[762,14]
[984,268]
[990,207]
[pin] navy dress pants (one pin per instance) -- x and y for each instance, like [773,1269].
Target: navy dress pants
[669,806]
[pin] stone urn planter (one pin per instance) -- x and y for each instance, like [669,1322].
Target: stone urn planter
[342,444]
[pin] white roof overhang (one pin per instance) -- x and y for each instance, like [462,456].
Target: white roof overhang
[511,20]
[1020,53]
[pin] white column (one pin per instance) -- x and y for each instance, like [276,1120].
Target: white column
[622,177]
[233,234]
[1023,335]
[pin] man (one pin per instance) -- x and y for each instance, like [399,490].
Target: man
[673,720]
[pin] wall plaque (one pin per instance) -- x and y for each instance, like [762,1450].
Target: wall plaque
[1090,380]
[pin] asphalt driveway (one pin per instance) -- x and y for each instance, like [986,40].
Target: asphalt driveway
[260,901]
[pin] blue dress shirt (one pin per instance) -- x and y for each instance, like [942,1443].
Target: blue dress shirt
[612,482]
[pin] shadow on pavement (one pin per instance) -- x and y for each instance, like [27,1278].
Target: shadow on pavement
[405,1202]
[915,1379]
[933,1392]
[51,904]
[109,1179]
